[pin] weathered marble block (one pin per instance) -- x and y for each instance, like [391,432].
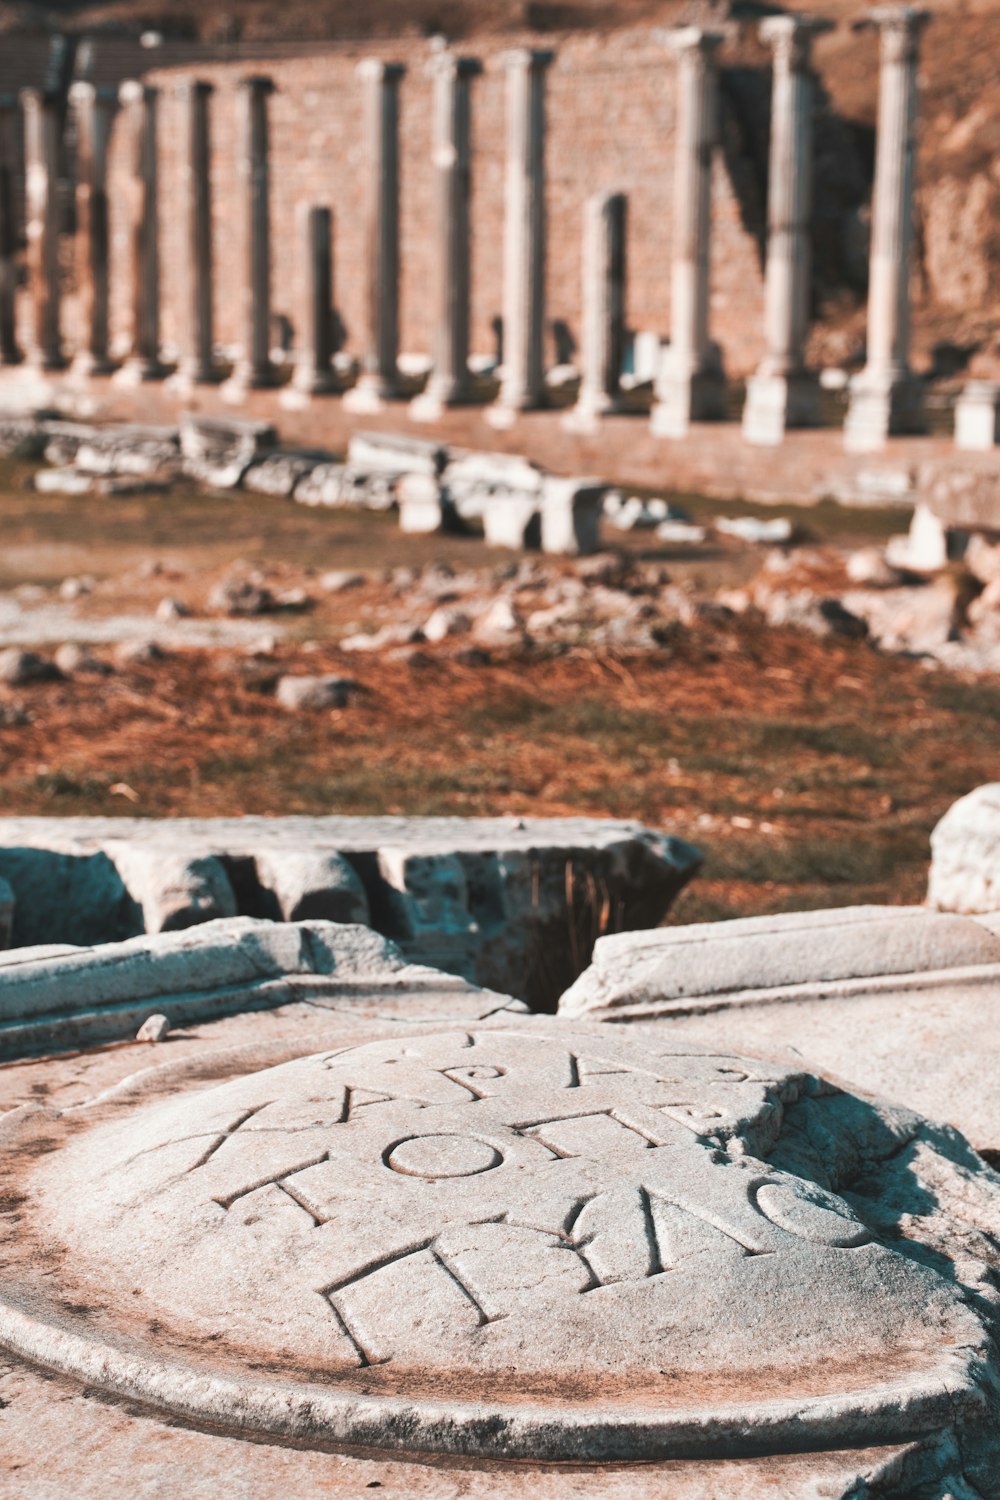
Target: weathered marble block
[513,903]
[58,996]
[895,999]
[965,854]
[512,1241]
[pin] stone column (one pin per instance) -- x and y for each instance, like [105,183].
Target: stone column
[783,393]
[523,384]
[314,373]
[450,383]
[255,369]
[42,137]
[379,379]
[94,109]
[10,354]
[603,310]
[141,104]
[885,398]
[690,386]
[198,365]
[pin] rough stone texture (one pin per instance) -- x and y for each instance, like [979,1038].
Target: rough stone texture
[965,854]
[6,914]
[61,996]
[647,973]
[513,903]
[552,1227]
[173,889]
[153,1029]
[314,693]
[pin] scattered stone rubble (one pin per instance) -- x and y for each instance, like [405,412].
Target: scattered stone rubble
[513,903]
[434,488]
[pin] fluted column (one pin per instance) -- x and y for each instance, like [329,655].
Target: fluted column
[198,365]
[603,343]
[783,393]
[314,373]
[690,387]
[885,397]
[523,384]
[379,380]
[255,369]
[141,105]
[10,354]
[450,383]
[94,110]
[42,135]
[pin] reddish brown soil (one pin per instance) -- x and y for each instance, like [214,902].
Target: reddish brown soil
[811,771]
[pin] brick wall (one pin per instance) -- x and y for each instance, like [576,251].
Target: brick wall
[610,126]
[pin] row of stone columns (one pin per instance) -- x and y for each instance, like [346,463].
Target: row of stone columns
[690,384]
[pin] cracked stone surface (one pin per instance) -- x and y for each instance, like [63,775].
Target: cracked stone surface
[890,998]
[508,903]
[519,1238]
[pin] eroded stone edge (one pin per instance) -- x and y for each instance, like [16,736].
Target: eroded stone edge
[895,1411]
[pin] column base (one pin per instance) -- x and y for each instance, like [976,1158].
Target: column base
[977,417]
[880,407]
[589,412]
[685,398]
[303,391]
[138,370]
[371,394]
[185,380]
[431,404]
[46,364]
[87,365]
[777,402]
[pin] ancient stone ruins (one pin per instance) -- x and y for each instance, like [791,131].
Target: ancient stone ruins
[724,1224]
[421,1155]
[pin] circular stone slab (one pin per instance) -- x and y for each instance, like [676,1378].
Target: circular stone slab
[542,1240]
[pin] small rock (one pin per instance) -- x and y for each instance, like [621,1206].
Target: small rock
[76,588]
[445,622]
[73,659]
[171,609]
[869,569]
[314,693]
[264,645]
[681,533]
[982,558]
[602,567]
[242,596]
[63,481]
[293,599]
[499,623]
[18,667]
[389,635]
[340,580]
[139,654]
[153,1029]
[753,529]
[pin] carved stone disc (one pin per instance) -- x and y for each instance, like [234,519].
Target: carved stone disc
[543,1240]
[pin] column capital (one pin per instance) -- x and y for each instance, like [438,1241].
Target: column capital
[527,59]
[37,98]
[193,88]
[687,41]
[133,92]
[899,27]
[792,36]
[377,71]
[449,65]
[258,83]
[82,92]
